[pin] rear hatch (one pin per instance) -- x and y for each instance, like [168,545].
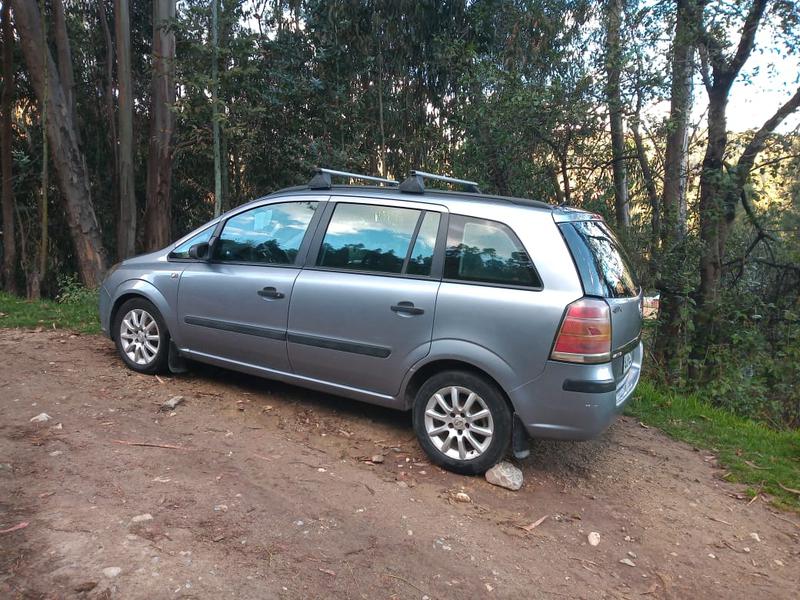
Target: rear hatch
[606,272]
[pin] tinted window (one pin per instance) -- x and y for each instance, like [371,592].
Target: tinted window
[488,252]
[182,251]
[363,237]
[419,263]
[269,234]
[602,264]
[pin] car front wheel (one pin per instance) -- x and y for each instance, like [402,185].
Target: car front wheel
[141,336]
[462,422]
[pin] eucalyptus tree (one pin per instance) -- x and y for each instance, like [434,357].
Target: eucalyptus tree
[722,185]
[158,213]
[672,283]
[126,224]
[61,128]
[614,57]
[531,110]
[6,106]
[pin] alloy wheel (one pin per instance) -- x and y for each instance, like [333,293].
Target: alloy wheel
[459,423]
[139,336]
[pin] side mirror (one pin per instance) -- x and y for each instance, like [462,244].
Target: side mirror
[199,251]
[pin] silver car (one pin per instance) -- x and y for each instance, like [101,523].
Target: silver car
[490,318]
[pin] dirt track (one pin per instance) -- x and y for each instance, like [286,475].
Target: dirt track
[269,496]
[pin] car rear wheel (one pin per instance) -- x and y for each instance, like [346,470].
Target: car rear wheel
[462,422]
[141,336]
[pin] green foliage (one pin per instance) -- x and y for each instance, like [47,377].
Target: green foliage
[80,316]
[753,453]
[73,292]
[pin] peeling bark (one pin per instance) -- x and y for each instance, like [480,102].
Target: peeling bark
[68,161]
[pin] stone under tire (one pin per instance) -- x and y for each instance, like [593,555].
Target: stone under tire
[491,399]
[158,364]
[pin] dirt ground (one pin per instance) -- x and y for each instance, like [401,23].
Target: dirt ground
[267,492]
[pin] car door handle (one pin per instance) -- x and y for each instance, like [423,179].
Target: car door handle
[270,292]
[407,308]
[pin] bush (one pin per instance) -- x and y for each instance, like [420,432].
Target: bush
[72,291]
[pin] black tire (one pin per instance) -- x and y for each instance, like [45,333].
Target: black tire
[493,400]
[158,363]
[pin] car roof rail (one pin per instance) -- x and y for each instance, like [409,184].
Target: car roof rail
[322,178]
[415,182]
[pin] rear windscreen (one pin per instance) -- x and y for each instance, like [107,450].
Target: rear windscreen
[604,269]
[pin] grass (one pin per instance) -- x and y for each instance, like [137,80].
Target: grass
[78,314]
[755,455]
[764,459]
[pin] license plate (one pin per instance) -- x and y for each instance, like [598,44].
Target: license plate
[626,362]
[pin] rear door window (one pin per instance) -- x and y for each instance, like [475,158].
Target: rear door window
[602,264]
[366,237]
[484,251]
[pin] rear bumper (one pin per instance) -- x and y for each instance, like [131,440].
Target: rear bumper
[575,402]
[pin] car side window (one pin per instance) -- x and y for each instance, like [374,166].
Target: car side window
[421,257]
[483,251]
[182,251]
[364,237]
[269,234]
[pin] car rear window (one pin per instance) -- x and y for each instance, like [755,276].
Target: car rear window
[603,266]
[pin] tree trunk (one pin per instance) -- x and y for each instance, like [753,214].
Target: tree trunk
[670,332]
[108,99]
[64,57]
[614,12]
[68,161]
[649,185]
[126,225]
[215,107]
[717,212]
[7,101]
[162,125]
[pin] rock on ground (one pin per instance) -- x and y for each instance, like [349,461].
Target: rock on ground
[505,475]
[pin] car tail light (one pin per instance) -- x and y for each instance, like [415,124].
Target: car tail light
[585,333]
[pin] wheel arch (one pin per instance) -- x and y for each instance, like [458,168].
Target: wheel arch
[496,373]
[138,288]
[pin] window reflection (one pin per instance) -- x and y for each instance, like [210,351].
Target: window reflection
[421,259]
[609,259]
[362,237]
[486,251]
[182,251]
[269,234]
